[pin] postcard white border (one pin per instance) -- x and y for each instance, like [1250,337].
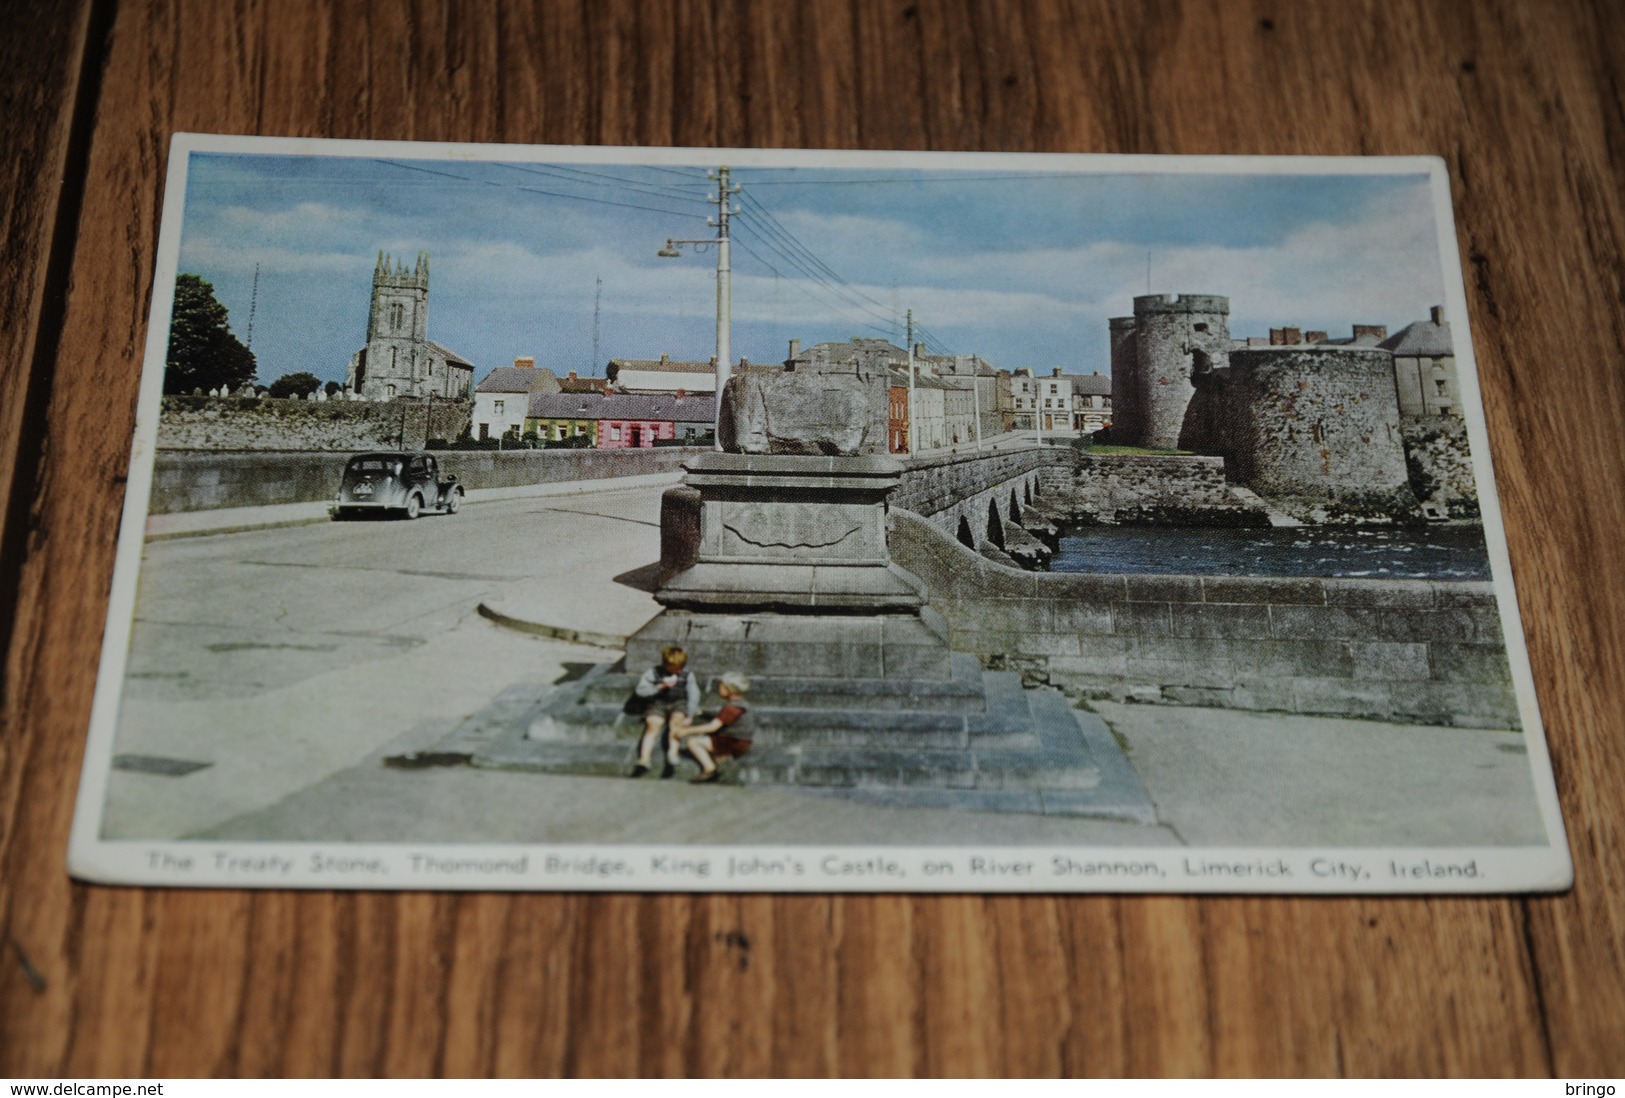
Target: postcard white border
[548,867]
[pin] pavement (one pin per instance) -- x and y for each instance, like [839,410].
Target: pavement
[290,661]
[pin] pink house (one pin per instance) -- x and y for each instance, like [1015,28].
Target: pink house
[626,420]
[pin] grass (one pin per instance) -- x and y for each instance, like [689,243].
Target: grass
[1111,450]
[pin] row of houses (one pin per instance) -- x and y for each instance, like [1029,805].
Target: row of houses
[956,399]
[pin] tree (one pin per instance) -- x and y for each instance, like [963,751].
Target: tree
[299,385]
[203,354]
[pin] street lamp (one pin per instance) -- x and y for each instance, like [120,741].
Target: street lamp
[724,284]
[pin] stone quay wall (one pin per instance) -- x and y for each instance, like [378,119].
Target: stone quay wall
[1142,489]
[199,481]
[332,426]
[1414,651]
[1440,463]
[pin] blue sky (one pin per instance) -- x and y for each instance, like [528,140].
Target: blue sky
[1020,266]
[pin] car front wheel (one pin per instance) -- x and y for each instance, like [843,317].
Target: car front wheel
[454,500]
[414,505]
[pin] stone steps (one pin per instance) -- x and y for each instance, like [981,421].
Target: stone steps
[1023,751]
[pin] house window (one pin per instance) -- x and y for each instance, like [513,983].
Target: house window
[498,405]
[615,434]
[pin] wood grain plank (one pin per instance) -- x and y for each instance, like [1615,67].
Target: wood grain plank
[42,54]
[1526,108]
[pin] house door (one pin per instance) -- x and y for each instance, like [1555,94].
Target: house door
[637,436]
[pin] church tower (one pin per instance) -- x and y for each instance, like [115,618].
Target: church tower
[396,361]
[400,361]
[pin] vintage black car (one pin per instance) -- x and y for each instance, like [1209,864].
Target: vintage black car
[396,482]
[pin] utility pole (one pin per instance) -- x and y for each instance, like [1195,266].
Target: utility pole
[976,395]
[722,201]
[912,429]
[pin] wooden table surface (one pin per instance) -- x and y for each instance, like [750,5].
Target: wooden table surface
[1523,100]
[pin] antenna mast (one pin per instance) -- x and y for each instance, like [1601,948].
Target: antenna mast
[597,305]
[253,302]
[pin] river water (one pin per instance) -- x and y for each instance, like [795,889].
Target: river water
[1427,552]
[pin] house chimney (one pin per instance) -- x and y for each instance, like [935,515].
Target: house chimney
[1438,314]
[1315,337]
[526,363]
[1277,336]
[1055,372]
[1379,332]
[681,393]
[1290,336]
[572,375]
[795,348]
[919,350]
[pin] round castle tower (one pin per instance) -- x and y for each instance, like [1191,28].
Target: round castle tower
[1319,423]
[1126,421]
[1175,335]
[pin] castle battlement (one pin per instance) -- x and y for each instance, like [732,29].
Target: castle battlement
[1181,303]
[1122,323]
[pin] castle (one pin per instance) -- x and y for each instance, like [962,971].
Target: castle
[400,360]
[1318,426]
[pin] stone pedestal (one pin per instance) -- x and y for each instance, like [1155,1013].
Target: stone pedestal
[778,566]
[791,576]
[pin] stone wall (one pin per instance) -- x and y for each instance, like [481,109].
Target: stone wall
[1440,464]
[1316,431]
[333,426]
[196,481]
[931,487]
[1137,489]
[1416,651]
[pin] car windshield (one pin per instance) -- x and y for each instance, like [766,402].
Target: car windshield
[374,465]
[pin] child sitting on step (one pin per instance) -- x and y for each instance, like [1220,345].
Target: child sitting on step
[707,742]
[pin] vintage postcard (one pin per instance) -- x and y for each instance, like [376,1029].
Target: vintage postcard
[508,517]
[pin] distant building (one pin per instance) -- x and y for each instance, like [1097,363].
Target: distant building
[564,415]
[1041,403]
[1425,367]
[574,384]
[1091,402]
[400,360]
[629,421]
[972,410]
[502,399]
[897,413]
[654,376]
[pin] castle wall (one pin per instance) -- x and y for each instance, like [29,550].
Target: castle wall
[1174,335]
[1440,464]
[1415,651]
[1320,425]
[1133,489]
[1127,423]
[348,426]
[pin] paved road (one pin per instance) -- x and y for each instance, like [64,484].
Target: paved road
[281,656]
[292,660]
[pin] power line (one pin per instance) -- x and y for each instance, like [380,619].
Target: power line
[538,190]
[802,286]
[846,299]
[629,184]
